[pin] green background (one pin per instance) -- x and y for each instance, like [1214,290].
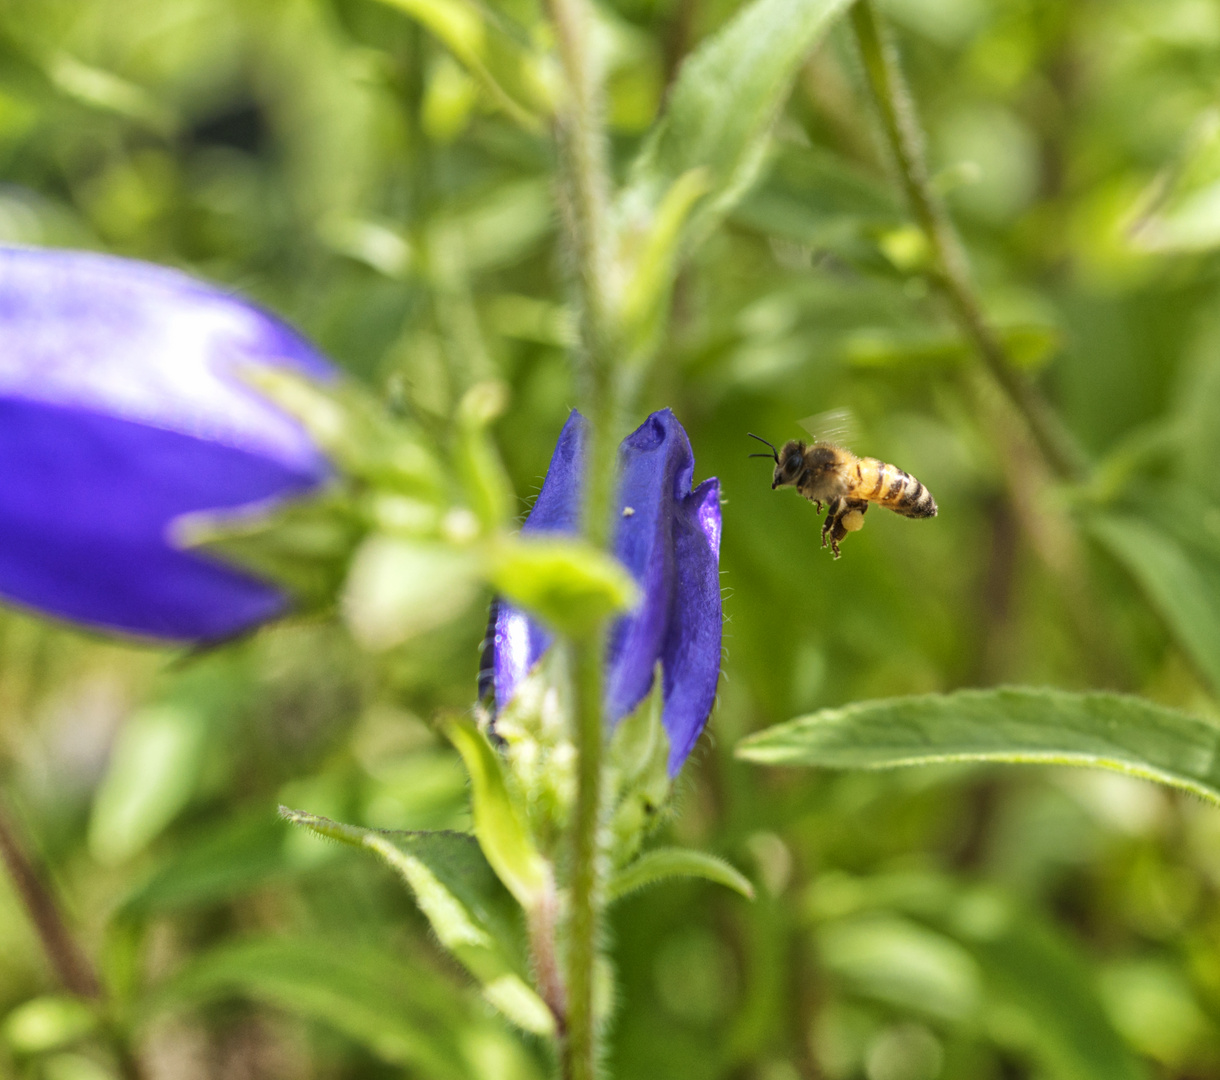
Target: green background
[331,161]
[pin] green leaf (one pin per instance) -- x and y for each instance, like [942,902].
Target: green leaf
[47,1023]
[1038,992]
[1053,727]
[487,484]
[404,1014]
[1180,211]
[661,863]
[472,913]
[216,864]
[304,545]
[498,822]
[152,774]
[515,77]
[1178,585]
[647,292]
[566,582]
[398,588]
[724,103]
[355,431]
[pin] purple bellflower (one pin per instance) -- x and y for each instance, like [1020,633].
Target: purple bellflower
[122,408]
[668,537]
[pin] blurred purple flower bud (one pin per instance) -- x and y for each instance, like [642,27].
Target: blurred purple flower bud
[668,536]
[121,408]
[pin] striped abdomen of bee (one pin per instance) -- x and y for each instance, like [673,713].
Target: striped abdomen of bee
[891,487]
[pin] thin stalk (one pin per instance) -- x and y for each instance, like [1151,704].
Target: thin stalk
[67,959]
[585,179]
[951,271]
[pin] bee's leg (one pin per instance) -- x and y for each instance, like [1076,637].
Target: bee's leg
[832,513]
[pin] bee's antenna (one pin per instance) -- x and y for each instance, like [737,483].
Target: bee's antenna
[774,455]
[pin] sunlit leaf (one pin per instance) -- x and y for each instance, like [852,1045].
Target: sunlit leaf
[153,769]
[499,823]
[399,588]
[1180,211]
[47,1023]
[566,582]
[514,76]
[726,97]
[1051,727]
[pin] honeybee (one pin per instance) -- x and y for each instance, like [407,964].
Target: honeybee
[824,472]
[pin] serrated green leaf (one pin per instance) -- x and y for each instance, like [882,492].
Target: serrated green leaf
[404,1014]
[662,863]
[1178,584]
[472,913]
[499,823]
[1036,726]
[566,582]
[723,104]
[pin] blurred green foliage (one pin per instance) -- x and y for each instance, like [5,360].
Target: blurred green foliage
[378,173]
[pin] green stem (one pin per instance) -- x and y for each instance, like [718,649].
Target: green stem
[585,180]
[952,272]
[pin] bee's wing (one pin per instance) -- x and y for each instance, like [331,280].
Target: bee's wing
[833,426]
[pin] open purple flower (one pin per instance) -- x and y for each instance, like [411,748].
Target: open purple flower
[122,408]
[668,537]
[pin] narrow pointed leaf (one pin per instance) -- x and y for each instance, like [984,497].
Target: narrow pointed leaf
[724,102]
[662,863]
[511,74]
[498,822]
[1053,727]
[1181,587]
[403,1014]
[471,912]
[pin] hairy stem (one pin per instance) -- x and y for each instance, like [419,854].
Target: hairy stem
[585,180]
[951,272]
[71,965]
[547,975]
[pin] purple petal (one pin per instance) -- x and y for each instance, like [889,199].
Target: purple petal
[121,408]
[655,467]
[690,659]
[670,542]
[517,641]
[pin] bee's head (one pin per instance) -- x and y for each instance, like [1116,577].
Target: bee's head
[789,464]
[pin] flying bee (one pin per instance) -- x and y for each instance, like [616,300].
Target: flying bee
[824,472]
